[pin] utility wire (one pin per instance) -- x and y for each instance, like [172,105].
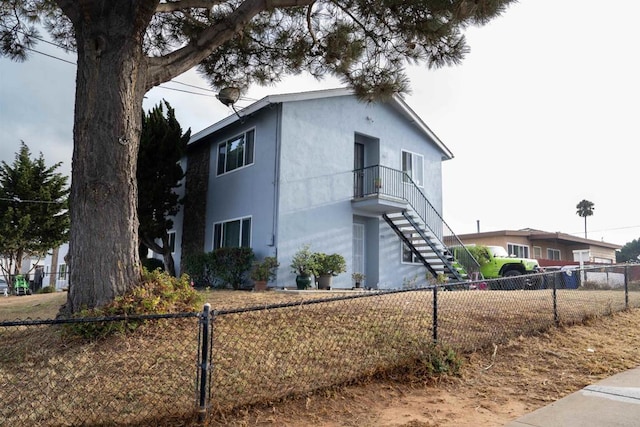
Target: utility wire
[67,49]
[18,200]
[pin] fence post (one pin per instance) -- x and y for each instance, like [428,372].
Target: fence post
[435,314]
[626,287]
[205,320]
[555,301]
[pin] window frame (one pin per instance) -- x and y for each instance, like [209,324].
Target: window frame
[216,245]
[550,250]
[525,248]
[248,152]
[413,156]
[537,249]
[414,258]
[62,271]
[172,241]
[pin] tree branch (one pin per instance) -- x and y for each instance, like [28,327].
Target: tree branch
[162,69]
[173,5]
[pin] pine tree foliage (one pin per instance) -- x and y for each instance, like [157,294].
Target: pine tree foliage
[365,43]
[159,174]
[33,209]
[127,47]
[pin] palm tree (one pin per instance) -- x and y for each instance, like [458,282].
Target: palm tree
[585,209]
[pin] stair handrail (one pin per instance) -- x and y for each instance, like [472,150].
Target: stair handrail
[383,180]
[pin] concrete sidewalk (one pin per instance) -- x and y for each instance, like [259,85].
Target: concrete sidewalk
[614,401]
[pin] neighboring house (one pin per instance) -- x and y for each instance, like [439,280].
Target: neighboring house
[325,169]
[55,270]
[550,249]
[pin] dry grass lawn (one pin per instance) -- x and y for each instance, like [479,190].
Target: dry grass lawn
[538,365]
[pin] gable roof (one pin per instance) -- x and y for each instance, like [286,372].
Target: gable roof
[396,101]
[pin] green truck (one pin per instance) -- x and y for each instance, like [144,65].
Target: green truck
[501,264]
[21,285]
[496,263]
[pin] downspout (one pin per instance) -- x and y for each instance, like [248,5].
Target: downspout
[276,178]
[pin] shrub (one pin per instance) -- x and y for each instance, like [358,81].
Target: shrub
[47,290]
[302,263]
[230,265]
[199,267]
[152,264]
[480,253]
[328,265]
[157,293]
[265,270]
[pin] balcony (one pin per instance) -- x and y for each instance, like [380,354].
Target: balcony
[379,190]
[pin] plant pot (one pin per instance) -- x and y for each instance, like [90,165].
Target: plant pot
[324,281]
[260,285]
[303,282]
[358,285]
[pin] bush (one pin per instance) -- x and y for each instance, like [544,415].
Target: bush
[328,265]
[230,265]
[152,264]
[220,268]
[302,263]
[265,271]
[200,268]
[157,293]
[47,290]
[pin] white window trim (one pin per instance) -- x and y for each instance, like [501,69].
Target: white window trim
[521,246]
[539,249]
[231,139]
[555,250]
[240,218]
[402,151]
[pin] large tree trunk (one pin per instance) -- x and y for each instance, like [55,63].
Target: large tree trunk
[103,245]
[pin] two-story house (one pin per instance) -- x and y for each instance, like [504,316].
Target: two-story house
[321,168]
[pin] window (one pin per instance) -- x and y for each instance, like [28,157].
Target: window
[553,254]
[520,251]
[232,234]
[62,271]
[537,252]
[407,254]
[236,152]
[172,241]
[413,166]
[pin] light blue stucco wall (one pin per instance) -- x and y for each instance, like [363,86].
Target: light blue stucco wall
[248,191]
[299,189]
[316,182]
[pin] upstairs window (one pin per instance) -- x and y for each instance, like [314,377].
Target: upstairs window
[232,234]
[236,152]
[413,166]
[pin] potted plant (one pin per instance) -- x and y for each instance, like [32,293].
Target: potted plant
[377,183]
[263,272]
[358,278]
[327,266]
[302,265]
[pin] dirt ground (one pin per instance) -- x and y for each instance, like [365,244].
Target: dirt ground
[495,386]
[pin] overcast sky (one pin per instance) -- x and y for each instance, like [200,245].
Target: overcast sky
[540,115]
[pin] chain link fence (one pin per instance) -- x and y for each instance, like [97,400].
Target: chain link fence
[49,377]
[177,369]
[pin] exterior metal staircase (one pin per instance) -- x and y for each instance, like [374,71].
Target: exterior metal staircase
[416,222]
[424,245]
